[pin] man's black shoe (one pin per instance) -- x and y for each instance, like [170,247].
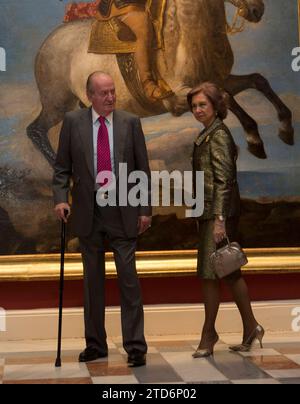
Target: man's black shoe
[136,359]
[91,354]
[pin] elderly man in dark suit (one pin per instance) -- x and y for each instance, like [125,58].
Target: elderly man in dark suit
[92,141]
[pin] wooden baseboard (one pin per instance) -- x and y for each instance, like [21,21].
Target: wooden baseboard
[276,316]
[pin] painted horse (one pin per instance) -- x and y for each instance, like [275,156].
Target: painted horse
[196,49]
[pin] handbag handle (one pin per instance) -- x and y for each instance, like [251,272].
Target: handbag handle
[228,242]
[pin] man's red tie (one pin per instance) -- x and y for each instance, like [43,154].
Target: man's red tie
[103,149]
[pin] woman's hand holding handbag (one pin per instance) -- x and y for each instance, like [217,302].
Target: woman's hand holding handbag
[228,259]
[219,232]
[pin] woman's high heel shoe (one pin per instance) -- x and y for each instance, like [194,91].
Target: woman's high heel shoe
[258,333]
[204,353]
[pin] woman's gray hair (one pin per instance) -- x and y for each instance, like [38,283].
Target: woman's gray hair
[216,96]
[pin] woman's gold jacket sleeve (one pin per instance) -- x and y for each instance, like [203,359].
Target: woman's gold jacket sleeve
[215,153]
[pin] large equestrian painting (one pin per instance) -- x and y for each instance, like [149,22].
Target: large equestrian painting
[156,50]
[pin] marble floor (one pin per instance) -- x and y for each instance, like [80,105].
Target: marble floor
[169,361]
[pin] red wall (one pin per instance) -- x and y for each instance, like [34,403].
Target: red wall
[160,290]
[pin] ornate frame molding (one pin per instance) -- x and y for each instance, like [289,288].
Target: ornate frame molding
[149,264]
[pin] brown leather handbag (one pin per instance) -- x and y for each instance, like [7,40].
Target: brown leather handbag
[228,259]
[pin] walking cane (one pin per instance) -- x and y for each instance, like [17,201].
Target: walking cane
[61,288]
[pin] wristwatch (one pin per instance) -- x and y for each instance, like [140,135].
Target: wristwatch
[221,218]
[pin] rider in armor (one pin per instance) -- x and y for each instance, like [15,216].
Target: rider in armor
[135,15]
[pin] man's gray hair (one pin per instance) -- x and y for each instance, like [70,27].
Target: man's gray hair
[89,82]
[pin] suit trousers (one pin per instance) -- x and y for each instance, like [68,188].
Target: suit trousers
[108,224]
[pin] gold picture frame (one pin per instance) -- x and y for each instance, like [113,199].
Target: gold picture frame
[149,264]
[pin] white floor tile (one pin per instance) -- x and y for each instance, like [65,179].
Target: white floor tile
[152,350]
[294,358]
[261,352]
[118,357]
[256,381]
[218,347]
[192,370]
[45,371]
[284,373]
[167,383]
[115,380]
[270,337]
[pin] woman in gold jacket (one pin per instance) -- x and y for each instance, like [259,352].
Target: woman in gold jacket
[215,153]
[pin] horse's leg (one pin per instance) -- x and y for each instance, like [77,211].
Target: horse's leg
[37,132]
[255,144]
[50,116]
[236,84]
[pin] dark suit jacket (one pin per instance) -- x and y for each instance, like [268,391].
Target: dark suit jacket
[75,159]
[215,153]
